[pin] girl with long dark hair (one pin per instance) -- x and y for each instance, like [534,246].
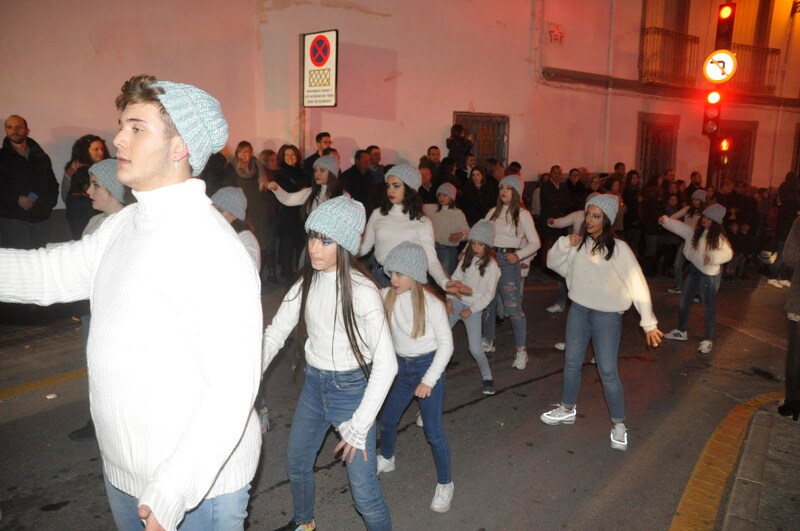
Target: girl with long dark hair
[86,151]
[400,218]
[477,196]
[604,280]
[513,225]
[338,318]
[325,185]
[707,249]
[690,215]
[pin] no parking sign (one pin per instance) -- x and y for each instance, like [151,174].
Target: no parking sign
[320,68]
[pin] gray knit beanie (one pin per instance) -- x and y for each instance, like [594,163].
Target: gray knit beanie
[715,212]
[482,231]
[699,194]
[608,203]
[329,162]
[447,189]
[341,219]
[232,200]
[514,182]
[408,259]
[406,173]
[198,118]
[106,173]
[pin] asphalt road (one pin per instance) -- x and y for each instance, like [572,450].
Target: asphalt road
[510,470]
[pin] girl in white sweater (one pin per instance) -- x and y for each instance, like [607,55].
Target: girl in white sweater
[325,185]
[690,214]
[232,204]
[423,344]
[707,249]
[604,279]
[350,363]
[449,226]
[513,225]
[400,218]
[478,269]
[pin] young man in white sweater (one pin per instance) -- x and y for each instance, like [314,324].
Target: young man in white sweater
[172,371]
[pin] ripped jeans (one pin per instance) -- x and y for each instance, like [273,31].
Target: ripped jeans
[509,293]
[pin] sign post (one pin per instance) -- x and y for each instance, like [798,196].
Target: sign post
[320,68]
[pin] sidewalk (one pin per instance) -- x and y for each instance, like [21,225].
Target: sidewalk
[765,489]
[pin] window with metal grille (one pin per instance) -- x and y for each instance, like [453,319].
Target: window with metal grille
[490,134]
[656,144]
[738,166]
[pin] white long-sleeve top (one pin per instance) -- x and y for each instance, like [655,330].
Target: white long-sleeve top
[600,284]
[505,235]
[697,256]
[327,347]
[446,222]
[683,215]
[483,286]
[437,337]
[250,243]
[387,232]
[174,348]
[573,219]
[292,199]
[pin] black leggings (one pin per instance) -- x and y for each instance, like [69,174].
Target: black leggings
[793,363]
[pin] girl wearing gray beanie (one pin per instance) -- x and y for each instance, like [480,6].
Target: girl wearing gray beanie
[230,201]
[690,215]
[604,280]
[423,344]
[324,185]
[449,226]
[338,320]
[399,219]
[515,239]
[706,249]
[480,270]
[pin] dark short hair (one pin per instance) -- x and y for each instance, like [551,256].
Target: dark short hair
[321,135]
[371,148]
[329,150]
[516,165]
[432,147]
[618,164]
[358,154]
[425,163]
[456,130]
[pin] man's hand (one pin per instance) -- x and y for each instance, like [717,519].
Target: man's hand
[423,391]
[25,203]
[151,524]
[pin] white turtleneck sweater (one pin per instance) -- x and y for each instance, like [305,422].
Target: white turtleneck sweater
[506,235]
[446,221]
[327,347]
[437,337]
[483,286]
[387,232]
[174,346]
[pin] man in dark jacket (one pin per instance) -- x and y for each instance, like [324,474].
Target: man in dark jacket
[357,180]
[28,188]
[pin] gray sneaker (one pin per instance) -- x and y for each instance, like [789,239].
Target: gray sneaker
[619,437]
[560,415]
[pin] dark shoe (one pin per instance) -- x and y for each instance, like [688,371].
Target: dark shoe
[83,434]
[790,408]
[488,387]
[294,526]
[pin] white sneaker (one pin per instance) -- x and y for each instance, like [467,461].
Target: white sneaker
[488,346]
[419,419]
[593,361]
[676,290]
[705,346]
[560,415]
[521,360]
[775,282]
[443,497]
[560,346]
[786,283]
[556,308]
[677,335]
[619,437]
[385,465]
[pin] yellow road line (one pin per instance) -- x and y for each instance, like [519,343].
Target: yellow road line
[699,504]
[35,385]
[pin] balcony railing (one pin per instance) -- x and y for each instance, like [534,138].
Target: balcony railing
[668,58]
[757,70]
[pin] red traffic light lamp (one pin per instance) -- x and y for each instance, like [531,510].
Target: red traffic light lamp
[724,145]
[711,113]
[725,17]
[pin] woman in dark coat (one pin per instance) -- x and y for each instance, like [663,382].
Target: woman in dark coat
[290,177]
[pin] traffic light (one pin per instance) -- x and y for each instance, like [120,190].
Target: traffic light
[724,145]
[725,16]
[711,113]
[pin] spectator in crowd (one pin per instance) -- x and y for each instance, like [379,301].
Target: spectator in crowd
[375,164]
[427,193]
[86,151]
[788,208]
[357,180]
[477,197]
[459,145]
[214,173]
[577,190]
[79,206]
[434,155]
[652,209]
[323,141]
[290,177]
[556,202]
[631,197]
[269,246]
[28,188]
[619,173]
[696,183]
[446,173]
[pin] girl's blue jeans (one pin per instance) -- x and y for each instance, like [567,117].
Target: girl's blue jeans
[604,330]
[409,375]
[698,283]
[509,292]
[328,399]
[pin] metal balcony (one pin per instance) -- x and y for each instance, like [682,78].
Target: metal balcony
[668,58]
[757,70]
